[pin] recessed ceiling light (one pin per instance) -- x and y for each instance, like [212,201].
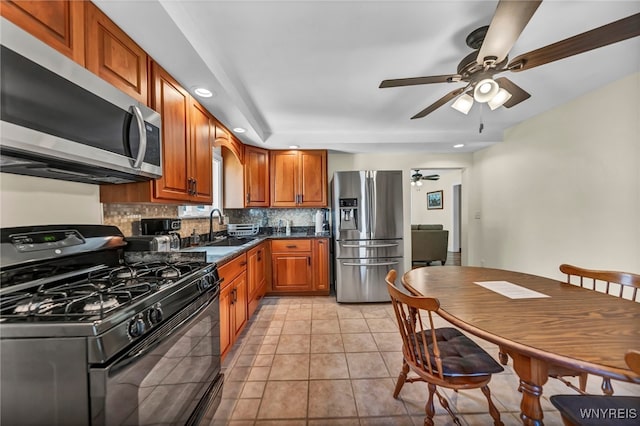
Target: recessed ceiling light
[294,146]
[239,130]
[460,145]
[202,92]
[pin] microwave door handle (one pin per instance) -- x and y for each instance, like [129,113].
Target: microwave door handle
[143,137]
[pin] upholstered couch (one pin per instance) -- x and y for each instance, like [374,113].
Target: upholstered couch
[428,243]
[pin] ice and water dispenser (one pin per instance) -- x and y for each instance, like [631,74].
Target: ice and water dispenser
[348,214]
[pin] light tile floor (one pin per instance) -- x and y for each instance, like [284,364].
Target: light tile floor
[312,361]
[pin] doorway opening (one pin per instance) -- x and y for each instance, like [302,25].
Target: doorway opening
[437,200]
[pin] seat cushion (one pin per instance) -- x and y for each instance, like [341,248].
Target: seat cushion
[599,409]
[460,355]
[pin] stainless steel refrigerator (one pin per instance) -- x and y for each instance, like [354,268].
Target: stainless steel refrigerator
[367,227]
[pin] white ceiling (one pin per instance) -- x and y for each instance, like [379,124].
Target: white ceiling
[307,72]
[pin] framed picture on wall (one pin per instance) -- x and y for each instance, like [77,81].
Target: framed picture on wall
[434,200]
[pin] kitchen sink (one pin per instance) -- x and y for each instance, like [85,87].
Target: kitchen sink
[229,242]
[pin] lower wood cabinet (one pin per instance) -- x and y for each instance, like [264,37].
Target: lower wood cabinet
[285,266]
[233,301]
[300,266]
[321,264]
[257,262]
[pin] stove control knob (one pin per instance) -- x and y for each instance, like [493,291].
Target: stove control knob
[136,327]
[155,315]
[205,283]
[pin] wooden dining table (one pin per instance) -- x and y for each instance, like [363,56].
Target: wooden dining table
[571,327]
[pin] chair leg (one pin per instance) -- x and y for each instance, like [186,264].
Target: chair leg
[607,389]
[503,357]
[429,408]
[492,408]
[401,378]
[582,381]
[445,405]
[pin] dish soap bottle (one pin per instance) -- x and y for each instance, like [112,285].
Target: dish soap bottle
[287,230]
[195,238]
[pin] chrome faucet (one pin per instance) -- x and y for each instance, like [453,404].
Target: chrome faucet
[220,221]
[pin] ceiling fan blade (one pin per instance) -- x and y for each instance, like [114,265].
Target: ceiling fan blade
[414,81]
[518,94]
[508,22]
[437,104]
[431,177]
[614,32]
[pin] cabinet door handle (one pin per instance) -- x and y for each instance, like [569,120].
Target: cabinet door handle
[309,261]
[243,263]
[248,198]
[292,246]
[195,186]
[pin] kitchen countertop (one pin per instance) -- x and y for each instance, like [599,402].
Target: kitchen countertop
[222,254]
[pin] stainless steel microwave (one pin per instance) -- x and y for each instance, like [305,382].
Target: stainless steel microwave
[58,120]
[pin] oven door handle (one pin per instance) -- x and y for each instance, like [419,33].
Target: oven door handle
[163,333]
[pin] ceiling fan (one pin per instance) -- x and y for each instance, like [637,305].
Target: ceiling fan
[417,178]
[491,46]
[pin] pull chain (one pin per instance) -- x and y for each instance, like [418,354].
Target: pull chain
[481,123]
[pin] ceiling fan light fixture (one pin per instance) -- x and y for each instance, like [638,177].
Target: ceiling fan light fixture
[463,104]
[485,90]
[499,99]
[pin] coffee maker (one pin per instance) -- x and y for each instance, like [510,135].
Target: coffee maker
[163,226]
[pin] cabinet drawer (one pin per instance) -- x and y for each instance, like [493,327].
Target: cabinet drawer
[232,269]
[290,245]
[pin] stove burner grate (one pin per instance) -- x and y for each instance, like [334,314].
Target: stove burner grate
[97,294]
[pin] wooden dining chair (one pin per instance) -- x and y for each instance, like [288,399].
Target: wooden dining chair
[619,284]
[587,410]
[439,356]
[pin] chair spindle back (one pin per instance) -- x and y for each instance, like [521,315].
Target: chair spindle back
[615,283]
[416,345]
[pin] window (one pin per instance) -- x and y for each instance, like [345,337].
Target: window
[205,210]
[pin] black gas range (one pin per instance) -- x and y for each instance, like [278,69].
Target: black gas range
[132,338]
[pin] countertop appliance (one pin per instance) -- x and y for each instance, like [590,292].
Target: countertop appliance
[368,232]
[61,121]
[163,226]
[149,243]
[91,335]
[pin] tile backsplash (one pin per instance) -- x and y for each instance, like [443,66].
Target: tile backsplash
[127,217]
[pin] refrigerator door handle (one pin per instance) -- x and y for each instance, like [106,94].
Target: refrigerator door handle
[369,245]
[370,264]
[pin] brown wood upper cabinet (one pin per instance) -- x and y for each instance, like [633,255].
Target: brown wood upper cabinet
[186,142]
[298,178]
[113,56]
[187,138]
[60,24]
[256,177]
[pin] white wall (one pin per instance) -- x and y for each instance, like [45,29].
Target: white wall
[405,162]
[563,187]
[26,200]
[419,212]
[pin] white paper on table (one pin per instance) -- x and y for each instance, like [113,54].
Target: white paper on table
[510,290]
